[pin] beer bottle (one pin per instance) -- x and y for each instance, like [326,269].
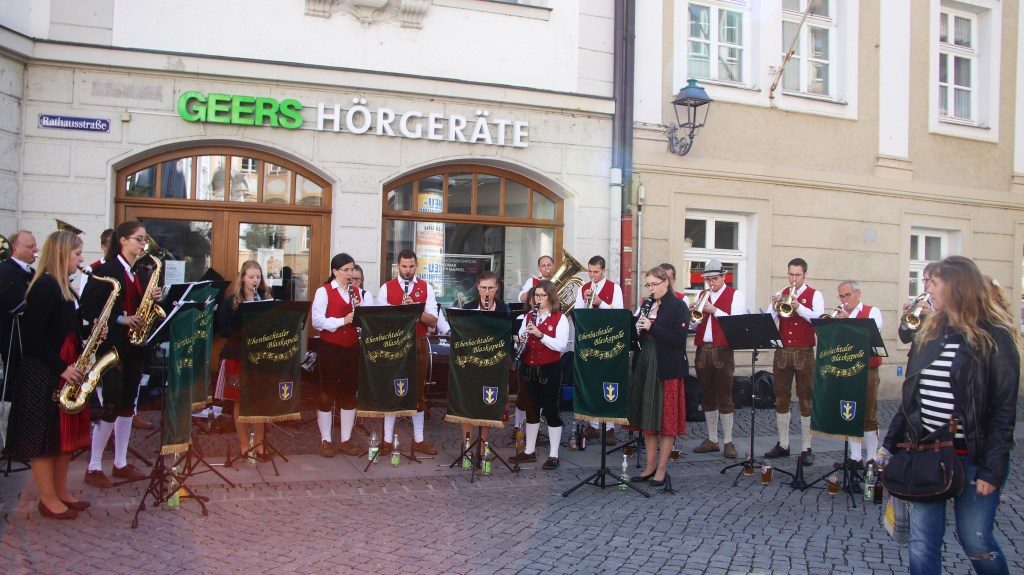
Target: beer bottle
[466,463]
[396,457]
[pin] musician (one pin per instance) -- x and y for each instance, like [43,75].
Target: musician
[599,293]
[546,267]
[251,287]
[333,313]
[657,398]
[15,274]
[403,290]
[547,336]
[365,297]
[906,334]
[119,393]
[671,269]
[39,429]
[852,306]
[714,358]
[796,359]
[104,247]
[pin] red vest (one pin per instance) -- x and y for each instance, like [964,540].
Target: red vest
[536,352]
[607,293]
[536,282]
[132,294]
[418,293]
[865,311]
[346,335]
[797,331]
[717,335]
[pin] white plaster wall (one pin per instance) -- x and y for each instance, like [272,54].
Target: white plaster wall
[12,74]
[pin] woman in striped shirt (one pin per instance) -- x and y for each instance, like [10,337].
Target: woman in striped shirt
[965,362]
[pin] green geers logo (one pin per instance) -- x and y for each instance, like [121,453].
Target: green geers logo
[240,110]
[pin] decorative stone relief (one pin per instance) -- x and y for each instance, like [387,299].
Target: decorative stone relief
[406,13]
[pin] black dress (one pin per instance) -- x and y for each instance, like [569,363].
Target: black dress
[35,425]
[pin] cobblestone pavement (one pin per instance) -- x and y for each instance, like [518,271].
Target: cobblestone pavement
[326,515]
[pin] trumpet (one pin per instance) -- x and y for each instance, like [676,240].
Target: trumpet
[832,314]
[697,311]
[912,319]
[593,294]
[785,304]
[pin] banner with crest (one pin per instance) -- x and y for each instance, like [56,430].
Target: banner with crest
[481,348]
[840,380]
[272,352]
[205,295]
[387,363]
[601,368]
[176,431]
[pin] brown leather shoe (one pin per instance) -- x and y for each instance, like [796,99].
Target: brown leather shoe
[591,432]
[68,513]
[777,451]
[551,463]
[424,447]
[326,449]
[139,423]
[98,479]
[523,458]
[129,472]
[729,450]
[609,437]
[350,448]
[77,505]
[384,448]
[707,446]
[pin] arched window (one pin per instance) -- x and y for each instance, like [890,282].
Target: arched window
[463,219]
[213,207]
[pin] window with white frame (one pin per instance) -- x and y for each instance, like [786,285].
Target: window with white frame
[812,69]
[715,40]
[958,66]
[715,236]
[926,246]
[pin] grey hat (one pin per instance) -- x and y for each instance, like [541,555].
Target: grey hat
[713,268]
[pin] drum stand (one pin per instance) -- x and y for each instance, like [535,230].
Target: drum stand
[600,477]
[471,451]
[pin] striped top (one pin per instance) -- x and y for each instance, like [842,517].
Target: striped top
[935,389]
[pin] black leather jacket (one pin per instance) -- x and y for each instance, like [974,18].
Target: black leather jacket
[985,393]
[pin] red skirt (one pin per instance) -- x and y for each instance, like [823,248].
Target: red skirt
[228,386]
[74,429]
[673,410]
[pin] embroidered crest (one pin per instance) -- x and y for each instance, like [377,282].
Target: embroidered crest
[847,409]
[611,391]
[284,390]
[402,386]
[490,395]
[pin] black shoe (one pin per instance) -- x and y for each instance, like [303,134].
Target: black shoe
[551,463]
[777,451]
[641,478]
[807,458]
[523,458]
[856,464]
[656,483]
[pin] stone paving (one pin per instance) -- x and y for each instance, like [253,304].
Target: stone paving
[325,515]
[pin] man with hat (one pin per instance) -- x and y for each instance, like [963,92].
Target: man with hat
[714,358]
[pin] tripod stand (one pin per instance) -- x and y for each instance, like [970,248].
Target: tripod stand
[477,462]
[269,453]
[158,486]
[851,480]
[8,460]
[600,477]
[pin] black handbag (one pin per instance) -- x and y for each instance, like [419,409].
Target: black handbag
[928,470]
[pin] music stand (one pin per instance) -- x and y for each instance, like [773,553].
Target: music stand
[599,478]
[15,329]
[636,444]
[754,332]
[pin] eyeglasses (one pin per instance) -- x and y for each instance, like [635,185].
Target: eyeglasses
[539,295]
[846,295]
[652,286]
[140,239]
[357,280]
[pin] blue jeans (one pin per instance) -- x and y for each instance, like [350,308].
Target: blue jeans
[975,520]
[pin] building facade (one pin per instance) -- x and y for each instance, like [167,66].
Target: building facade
[891,139]
[289,131]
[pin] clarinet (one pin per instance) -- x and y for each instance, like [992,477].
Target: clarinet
[517,359]
[487,303]
[645,311]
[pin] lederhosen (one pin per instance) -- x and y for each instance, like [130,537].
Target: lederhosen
[796,358]
[714,360]
[874,362]
[338,356]
[542,372]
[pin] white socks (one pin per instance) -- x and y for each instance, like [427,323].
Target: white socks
[782,422]
[100,436]
[805,432]
[532,431]
[854,450]
[417,426]
[554,438]
[727,421]
[348,421]
[871,440]
[520,418]
[597,425]
[712,418]
[122,433]
[389,427]
[323,421]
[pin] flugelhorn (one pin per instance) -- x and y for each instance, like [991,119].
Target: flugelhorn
[832,314]
[912,319]
[785,304]
[697,311]
[63,226]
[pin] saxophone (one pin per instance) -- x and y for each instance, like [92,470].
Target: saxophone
[72,397]
[148,311]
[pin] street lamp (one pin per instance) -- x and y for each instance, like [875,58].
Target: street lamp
[691,98]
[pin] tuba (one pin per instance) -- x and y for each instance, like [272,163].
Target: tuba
[697,311]
[5,248]
[785,304]
[148,310]
[564,278]
[72,397]
[912,319]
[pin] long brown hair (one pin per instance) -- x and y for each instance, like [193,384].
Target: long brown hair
[53,260]
[239,295]
[968,306]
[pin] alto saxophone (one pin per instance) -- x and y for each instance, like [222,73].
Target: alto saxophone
[148,311]
[72,397]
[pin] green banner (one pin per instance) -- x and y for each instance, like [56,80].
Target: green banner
[840,380]
[272,352]
[177,426]
[387,363]
[601,369]
[481,347]
[203,348]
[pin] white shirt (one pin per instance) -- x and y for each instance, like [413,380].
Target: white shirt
[874,314]
[527,286]
[319,310]
[431,303]
[817,305]
[616,296]
[22,264]
[367,298]
[560,341]
[127,268]
[738,307]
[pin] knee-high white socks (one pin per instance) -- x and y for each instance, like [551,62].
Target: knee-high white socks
[871,443]
[389,427]
[348,421]
[597,425]
[782,423]
[323,422]
[712,419]
[532,431]
[122,433]
[727,421]
[520,417]
[100,436]
[805,432]
[554,438]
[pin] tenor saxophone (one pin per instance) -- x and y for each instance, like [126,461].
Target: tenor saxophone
[148,311]
[72,397]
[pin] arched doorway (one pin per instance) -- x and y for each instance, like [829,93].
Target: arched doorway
[214,207]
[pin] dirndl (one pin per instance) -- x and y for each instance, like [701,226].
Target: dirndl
[645,395]
[228,386]
[75,431]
